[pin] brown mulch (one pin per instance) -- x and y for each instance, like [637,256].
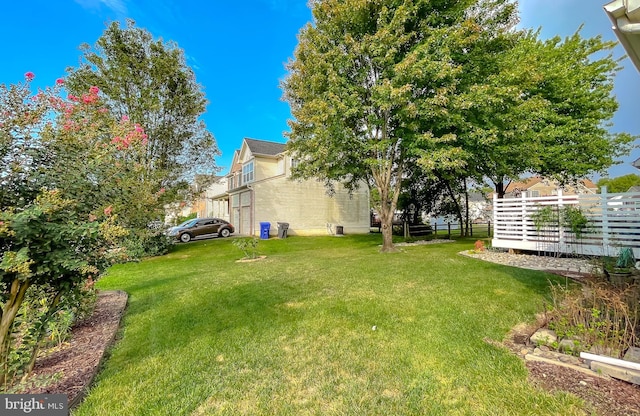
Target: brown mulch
[605,396]
[602,395]
[78,361]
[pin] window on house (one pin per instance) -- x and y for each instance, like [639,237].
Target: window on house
[247,172]
[534,193]
[294,163]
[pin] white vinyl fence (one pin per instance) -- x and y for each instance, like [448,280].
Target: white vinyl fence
[613,223]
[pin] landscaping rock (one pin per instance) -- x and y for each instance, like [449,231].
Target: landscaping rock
[521,333]
[544,336]
[568,345]
[633,355]
[607,351]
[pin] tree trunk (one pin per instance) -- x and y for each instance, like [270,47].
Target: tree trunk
[386,221]
[43,325]
[466,209]
[389,193]
[7,316]
[386,211]
[457,205]
[500,189]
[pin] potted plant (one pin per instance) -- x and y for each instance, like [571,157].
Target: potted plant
[623,267]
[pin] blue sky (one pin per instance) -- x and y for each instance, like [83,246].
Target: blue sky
[238,50]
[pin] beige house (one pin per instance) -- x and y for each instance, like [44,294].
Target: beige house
[213,201]
[259,190]
[538,186]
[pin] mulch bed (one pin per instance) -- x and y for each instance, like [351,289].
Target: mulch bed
[79,360]
[608,397]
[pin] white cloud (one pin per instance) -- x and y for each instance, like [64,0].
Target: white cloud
[118,6]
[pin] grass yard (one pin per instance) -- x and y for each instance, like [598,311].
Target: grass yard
[293,334]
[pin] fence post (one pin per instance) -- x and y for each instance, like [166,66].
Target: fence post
[471,228]
[562,238]
[605,222]
[489,229]
[495,210]
[523,201]
[435,229]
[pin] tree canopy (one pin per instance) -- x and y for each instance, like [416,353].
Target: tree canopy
[367,76]
[620,183]
[376,86]
[149,82]
[542,101]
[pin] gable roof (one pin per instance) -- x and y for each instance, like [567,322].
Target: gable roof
[523,185]
[529,182]
[264,148]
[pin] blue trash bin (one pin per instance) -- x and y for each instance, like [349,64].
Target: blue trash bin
[264,230]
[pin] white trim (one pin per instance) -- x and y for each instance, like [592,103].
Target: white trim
[625,16]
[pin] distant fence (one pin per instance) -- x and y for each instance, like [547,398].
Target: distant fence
[475,229]
[449,229]
[613,223]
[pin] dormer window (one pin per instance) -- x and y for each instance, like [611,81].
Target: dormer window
[247,172]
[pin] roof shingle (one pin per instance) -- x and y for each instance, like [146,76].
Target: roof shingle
[265,148]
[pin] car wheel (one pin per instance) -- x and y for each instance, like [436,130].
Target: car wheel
[185,238]
[225,232]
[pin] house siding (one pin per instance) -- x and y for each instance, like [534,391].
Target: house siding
[272,197]
[308,209]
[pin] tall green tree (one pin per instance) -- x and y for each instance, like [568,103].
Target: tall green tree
[525,105]
[620,183]
[149,82]
[367,77]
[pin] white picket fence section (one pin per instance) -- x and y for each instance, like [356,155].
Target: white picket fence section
[614,222]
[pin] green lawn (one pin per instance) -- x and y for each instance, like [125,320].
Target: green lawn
[294,334]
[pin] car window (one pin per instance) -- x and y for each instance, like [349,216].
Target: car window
[188,223]
[191,223]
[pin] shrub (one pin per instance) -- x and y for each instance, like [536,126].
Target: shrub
[597,315]
[36,316]
[146,243]
[249,246]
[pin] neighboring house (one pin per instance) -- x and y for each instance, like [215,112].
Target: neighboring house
[213,201]
[259,189]
[174,211]
[479,210]
[538,186]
